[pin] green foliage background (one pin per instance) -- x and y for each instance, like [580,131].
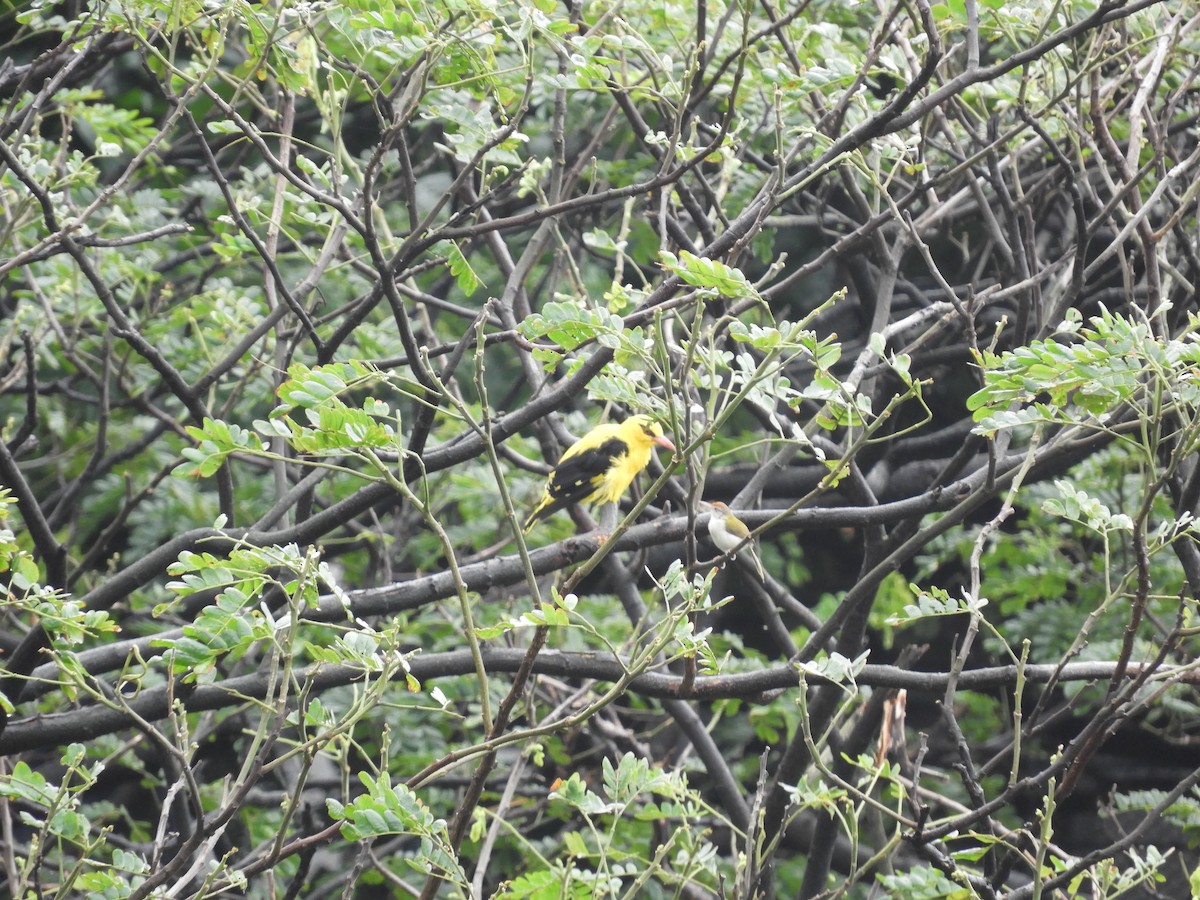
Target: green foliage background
[300,300]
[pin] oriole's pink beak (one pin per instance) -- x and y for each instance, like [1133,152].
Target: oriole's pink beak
[665,444]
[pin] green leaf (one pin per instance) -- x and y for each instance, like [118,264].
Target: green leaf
[934,601]
[1085,374]
[388,809]
[835,667]
[216,441]
[28,785]
[574,792]
[1079,506]
[708,273]
[571,324]
[464,275]
[924,883]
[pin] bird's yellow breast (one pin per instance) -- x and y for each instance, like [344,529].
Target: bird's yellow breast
[620,474]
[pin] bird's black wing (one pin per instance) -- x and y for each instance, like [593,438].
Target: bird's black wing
[575,478]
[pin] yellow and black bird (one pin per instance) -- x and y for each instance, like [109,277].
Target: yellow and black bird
[600,466]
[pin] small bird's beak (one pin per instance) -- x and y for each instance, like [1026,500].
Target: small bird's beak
[664,443]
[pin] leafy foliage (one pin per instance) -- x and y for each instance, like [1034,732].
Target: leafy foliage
[302,301]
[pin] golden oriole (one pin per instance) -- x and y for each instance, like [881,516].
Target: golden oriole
[600,466]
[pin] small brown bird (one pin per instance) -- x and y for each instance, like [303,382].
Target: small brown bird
[727,531]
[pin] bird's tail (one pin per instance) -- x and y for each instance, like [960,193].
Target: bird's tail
[538,513]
